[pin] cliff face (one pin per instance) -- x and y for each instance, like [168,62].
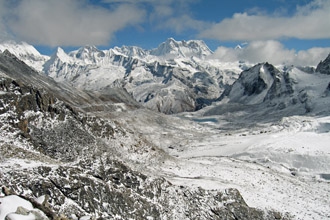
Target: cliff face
[324,66]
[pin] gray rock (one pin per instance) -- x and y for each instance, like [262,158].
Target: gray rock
[324,66]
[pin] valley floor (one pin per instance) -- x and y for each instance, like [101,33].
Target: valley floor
[282,165]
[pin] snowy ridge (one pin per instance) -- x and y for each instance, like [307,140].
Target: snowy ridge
[26,53]
[258,84]
[177,76]
[88,54]
[21,49]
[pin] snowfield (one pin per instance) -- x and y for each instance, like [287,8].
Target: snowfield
[284,166]
[281,165]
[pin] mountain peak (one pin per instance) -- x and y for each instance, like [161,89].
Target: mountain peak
[257,83]
[88,53]
[25,52]
[183,48]
[324,66]
[58,58]
[21,49]
[132,51]
[61,55]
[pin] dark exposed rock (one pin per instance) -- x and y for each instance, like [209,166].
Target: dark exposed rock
[109,188]
[277,89]
[324,66]
[327,90]
[263,84]
[260,83]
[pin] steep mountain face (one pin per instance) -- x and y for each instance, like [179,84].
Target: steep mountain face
[324,66]
[261,83]
[291,90]
[56,148]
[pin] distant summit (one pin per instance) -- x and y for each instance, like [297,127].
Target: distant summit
[89,54]
[182,49]
[25,52]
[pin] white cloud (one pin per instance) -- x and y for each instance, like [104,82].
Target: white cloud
[168,14]
[273,52]
[67,22]
[182,23]
[309,22]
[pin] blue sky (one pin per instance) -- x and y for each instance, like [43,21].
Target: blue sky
[292,25]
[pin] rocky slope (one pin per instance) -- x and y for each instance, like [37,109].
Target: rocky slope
[62,147]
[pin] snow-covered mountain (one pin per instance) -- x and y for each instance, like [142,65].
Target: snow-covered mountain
[291,87]
[255,85]
[172,78]
[26,53]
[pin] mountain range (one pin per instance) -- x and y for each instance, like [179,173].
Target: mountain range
[177,76]
[83,135]
[172,78]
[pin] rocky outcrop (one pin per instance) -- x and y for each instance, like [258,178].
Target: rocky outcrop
[108,189]
[259,84]
[324,66]
[327,90]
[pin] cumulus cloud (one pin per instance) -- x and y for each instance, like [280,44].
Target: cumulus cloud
[308,22]
[273,52]
[66,22]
